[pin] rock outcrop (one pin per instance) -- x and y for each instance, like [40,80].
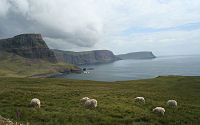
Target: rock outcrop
[137,55]
[4,121]
[27,55]
[87,57]
[29,46]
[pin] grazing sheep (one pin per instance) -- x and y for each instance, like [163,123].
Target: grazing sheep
[159,110]
[83,100]
[139,99]
[172,103]
[91,103]
[35,102]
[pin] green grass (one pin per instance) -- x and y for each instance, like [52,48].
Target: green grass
[12,65]
[82,53]
[60,101]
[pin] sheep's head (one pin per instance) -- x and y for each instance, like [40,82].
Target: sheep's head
[83,100]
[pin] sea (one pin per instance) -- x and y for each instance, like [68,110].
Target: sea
[131,69]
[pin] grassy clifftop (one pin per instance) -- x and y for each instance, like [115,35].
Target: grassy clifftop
[13,65]
[137,55]
[60,101]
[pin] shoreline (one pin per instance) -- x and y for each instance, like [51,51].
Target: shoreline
[53,74]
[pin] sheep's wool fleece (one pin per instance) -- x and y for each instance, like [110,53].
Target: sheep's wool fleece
[35,102]
[171,103]
[91,103]
[159,110]
[139,99]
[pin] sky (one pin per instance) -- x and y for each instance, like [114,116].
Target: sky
[165,27]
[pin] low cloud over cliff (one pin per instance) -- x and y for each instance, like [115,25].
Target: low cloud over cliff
[75,22]
[162,26]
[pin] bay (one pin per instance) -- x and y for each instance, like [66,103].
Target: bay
[140,69]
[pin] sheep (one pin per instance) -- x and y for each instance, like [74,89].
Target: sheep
[139,99]
[91,103]
[83,100]
[159,110]
[35,102]
[172,103]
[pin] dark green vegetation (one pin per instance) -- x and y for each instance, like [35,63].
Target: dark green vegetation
[28,55]
[86,57]
[137,55]
[60,101]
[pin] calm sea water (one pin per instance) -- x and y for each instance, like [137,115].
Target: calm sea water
[141,69]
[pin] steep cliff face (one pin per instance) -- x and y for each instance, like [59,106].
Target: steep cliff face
[29,46]
[87,57]
[27,55]
[137,55]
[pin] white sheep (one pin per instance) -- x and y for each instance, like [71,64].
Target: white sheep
[172,103]
[159,110]
[91,103]
[139,99]
[83,100]
[35,102]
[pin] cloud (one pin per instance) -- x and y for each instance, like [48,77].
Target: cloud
[161,43]
[73,22]
[4,7]
[118,25]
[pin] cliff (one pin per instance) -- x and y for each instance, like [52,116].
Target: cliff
[30,46]
[87,57]
[137,55]
[27,55]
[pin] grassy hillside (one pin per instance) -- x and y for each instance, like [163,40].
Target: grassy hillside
[60,101]
[18,66]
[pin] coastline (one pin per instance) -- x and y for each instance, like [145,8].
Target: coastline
[53,74]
